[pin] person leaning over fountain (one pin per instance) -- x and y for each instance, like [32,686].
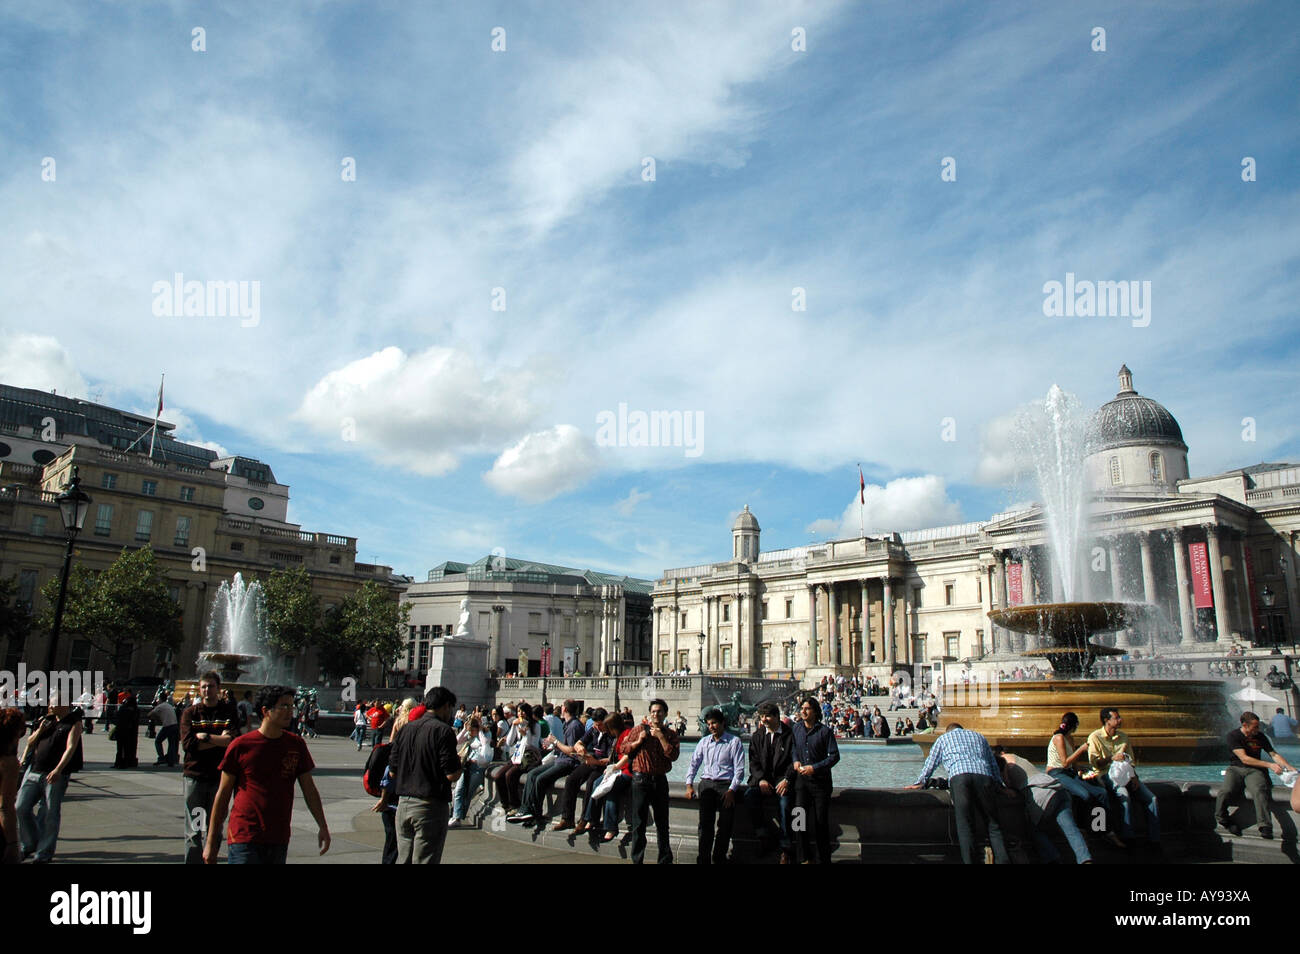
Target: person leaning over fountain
[974,778]
[1247,770]
[1107,746]
[207,727]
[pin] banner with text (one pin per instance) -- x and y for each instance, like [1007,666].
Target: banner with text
[1201,591]
[1015,584]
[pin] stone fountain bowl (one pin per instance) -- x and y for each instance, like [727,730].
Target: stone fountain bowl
[1069,624]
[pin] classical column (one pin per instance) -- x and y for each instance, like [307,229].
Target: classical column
[1182,577]
[1220,591]
[1148,568]
[905,637]
[1000,637]
[833,631]
[1116,587]
[755,623]
[864,621]
[706,661]
[890,658]
[812,625]
[1243,593]
[1028,591]
[672,660]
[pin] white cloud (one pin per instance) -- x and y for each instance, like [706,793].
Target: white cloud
[1002,457]
[907,503]
[630,502]
[420,411]
[39,362]
[544,464]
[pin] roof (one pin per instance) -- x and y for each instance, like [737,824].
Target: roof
[745,520]
[510,569]
[1131,420]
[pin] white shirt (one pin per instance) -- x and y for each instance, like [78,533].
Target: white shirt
[165,712]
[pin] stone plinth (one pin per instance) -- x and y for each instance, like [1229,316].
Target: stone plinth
[462,666]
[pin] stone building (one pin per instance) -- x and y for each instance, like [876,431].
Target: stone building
[1216,555]
[592,623]
[205,517]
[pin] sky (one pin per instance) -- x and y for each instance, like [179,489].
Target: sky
[481,245]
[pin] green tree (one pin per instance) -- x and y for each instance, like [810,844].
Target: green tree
[370,620]
[15,616]
[293,615]
[126,606]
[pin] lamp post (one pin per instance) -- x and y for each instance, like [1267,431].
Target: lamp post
[577,664]
[617,667]
[74,504]
[700,638]
[546,666]
[789,645]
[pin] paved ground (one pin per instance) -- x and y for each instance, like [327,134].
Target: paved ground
[136,816]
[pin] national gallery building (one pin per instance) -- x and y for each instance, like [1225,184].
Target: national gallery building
[1215,555]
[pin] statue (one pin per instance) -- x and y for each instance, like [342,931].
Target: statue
[463,630]
[733,710]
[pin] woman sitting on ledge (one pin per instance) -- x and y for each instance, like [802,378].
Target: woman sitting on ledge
[1063,756]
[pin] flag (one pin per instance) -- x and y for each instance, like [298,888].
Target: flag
[862,487]
[160,400]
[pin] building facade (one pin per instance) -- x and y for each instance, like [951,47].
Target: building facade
[1215,556]
[205,517]
[591,623]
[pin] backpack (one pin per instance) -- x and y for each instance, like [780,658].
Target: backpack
[374,771]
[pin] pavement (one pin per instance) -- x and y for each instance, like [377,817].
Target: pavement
[136,816]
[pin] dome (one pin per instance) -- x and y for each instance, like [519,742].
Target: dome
[745,521]
[1131,419]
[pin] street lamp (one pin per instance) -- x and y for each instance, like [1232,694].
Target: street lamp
[546,666]
[617,643]
[789,646]
[577,666]
[700,638]
[74,504]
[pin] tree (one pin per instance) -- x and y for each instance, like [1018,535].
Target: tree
[15,615]
[368,621]
[293,616]
[125,606]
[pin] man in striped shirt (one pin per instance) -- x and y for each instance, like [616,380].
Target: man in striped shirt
[720,761]
[973,782]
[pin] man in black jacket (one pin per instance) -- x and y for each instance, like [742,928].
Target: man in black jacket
[423,766]
[815,754]
[771,775]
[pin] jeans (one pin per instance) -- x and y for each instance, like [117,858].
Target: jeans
[650,792]
[758,820]
[1086,792]
[1257,785]
[250,854]
[1063,812]
[39,833]
[199,796]
[358,735]
[389,818]
[812,796]
[421,830]
[539,780]
[973,793]
[465,789]
[1125,799]
[603,813]
[711,793]
[171,735]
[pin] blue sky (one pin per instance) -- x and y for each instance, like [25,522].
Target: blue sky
[471,428]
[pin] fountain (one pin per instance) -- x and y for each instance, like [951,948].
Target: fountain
[236,637]
[1171,722]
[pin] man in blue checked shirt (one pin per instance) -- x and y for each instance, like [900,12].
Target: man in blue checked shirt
[720,761]
[973,782]
[815,754]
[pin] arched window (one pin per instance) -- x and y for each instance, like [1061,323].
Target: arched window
[1157,469]
[1116,476]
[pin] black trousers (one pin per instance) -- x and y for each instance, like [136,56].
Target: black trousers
[711,793]
[974,794]
[574,783]
[650,791]
[812,801]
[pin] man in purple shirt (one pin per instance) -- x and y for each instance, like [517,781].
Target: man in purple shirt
[719,760]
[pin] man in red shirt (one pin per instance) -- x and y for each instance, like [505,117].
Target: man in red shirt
[260,769]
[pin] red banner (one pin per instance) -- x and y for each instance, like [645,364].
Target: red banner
[1202,594]
[1015,584]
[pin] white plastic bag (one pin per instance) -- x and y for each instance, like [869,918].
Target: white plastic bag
[606,784]
[1121,772]
[1289,778]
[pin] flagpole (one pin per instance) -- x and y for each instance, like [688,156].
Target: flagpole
[862,504]
[158,410]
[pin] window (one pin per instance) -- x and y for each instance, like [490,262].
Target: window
[27,580]
[413,631]
[979,590]
[726,612]
[535,623]
[80,659]
[767,656]
[144,525]
[108,481]
[182,532]
[789,657]
[979,642]
[104,520]
[948,589]
[334,559]
[236,546]
[187,493]
[1157,469]
[682,624]
[424,632]
[410,656]
[952,644]
[424,657]
[1116,475]
[764,614]
[683,659]
[38,524]
[789,608]
[916,597]
[484,623]
[726,657]
[149,488]
[568,626]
